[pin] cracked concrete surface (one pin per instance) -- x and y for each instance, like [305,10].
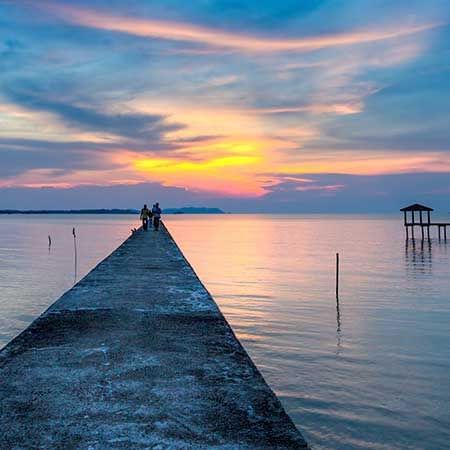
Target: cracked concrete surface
[137,355]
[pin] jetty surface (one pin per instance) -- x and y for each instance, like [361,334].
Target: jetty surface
[137,355]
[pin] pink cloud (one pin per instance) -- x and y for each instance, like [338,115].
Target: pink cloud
[179,31]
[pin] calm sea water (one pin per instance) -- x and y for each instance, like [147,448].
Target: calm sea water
[371,372]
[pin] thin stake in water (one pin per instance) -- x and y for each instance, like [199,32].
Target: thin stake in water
[337,276]
[76,256]
[338,311]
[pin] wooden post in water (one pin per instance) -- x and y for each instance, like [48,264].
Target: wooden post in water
[75,249]
[337,276]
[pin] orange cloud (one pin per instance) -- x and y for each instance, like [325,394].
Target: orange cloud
[179,31]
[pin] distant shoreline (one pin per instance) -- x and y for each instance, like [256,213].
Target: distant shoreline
[187,210]
[70,211]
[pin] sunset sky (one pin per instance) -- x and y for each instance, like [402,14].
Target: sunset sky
[288,105]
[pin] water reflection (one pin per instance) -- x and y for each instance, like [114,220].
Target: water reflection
[339,327]
[418,258]
[273,277]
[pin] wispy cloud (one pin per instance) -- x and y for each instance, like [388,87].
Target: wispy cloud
[293,183]
[185,32]
[332,108]
[130,125]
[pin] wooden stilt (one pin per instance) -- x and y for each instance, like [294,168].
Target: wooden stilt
[423,237]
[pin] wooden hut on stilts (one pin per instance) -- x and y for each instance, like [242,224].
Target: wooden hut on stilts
[424,223]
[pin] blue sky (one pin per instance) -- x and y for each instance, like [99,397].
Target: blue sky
[320,105]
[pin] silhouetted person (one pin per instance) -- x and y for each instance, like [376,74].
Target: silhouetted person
[145,216]
[156,211]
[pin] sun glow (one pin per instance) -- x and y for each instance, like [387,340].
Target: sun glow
[168,165]
[225,167]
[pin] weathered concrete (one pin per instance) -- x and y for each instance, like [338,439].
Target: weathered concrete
[137,355]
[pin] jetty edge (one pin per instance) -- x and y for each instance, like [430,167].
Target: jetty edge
[137,355]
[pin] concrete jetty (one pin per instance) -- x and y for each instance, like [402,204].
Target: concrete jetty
[137,355]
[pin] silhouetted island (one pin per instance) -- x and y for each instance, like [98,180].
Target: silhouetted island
[186,210]
[70,211]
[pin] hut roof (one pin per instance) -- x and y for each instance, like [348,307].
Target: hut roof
[416,207]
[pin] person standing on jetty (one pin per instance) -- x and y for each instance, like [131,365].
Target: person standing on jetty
[145,216]
[156,211]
